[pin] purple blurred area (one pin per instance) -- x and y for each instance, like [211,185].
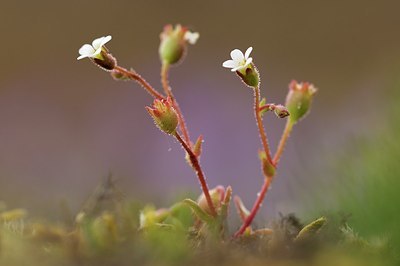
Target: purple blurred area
[65,124]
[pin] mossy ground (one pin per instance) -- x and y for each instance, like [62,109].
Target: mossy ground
[108,231]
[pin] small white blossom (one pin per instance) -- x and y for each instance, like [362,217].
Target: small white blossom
[191,37]
[93,50]
[239,60]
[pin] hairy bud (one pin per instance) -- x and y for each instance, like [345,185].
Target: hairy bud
[164,115]
[298,100]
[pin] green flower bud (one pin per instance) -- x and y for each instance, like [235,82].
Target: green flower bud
[298,100]
[217,196]
[174,42]
[164,115]
[250,76]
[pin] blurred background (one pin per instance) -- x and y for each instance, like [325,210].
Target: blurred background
[65,124]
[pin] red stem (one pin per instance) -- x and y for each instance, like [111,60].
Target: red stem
[260,126]
[197,168]
[136,77]
[268,179]
[255,208]
[168,91]
[267,106]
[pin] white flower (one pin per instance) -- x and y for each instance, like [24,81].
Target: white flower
[191,37]
[239,60]
[94,50]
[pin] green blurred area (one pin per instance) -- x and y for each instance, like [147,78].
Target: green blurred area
[366,179]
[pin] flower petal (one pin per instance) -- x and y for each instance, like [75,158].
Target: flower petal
[237,68]
[99,42]
[237,55]
[106,40]
[248,62]
[96,54]
[191,37]
[85,51]
[81,57]
[247,53]
[229,64]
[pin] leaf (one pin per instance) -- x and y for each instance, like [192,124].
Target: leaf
[202,215]
[225,203]
[241,209]
[197,148]
[310,230]
[262,103]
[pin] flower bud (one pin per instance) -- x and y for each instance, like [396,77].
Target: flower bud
[267,167]
[281,111]
[98,53]
[217,196]
[174,42]
[107,62]
[164,115]
[250,76]
[298,100]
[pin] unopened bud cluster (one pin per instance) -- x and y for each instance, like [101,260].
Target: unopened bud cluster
[174,41]
[217,196]
[299,98]
[164,115]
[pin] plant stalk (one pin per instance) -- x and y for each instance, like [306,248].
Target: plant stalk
[256,206]
[268,179]
[168,92]
[200,174]
[282,142]
[136,77]
[261,130]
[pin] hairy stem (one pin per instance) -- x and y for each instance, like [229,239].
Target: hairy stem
[136,77]
[168,91]
[260,126]
[197,168]
[268,179]
[256,206]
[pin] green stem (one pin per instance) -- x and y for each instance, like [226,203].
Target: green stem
[282,142]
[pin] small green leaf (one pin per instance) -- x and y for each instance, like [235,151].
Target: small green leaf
[198,145]
[262,103]
[202,215]
[310,230]
[225,203]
